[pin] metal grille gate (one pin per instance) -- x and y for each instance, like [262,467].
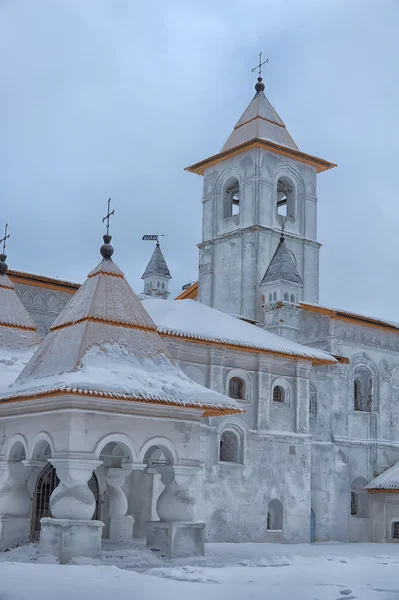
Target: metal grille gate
[46,484]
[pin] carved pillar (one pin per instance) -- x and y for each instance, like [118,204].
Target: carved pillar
[215,381]
[72,532]
[120,524]
[14,504]
[176,503]
[302,398]
[175,534]
[264,389]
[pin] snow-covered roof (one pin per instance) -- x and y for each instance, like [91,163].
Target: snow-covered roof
[282,267]
[388,480]
[157,265]
[260,121]
[104,343]
[18,332]
[12,362]
[193,320]
[339,312]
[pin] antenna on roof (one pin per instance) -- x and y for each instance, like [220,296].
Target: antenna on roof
[3,265]
[106,249]
[152,238]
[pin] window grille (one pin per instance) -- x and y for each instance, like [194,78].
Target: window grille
[395,530]
[278,394]
[354,504]
[236,388]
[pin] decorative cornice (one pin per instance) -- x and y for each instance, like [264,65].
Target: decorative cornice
[56,393]
[319,163]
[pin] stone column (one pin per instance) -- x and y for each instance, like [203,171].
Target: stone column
[120,524]
[176,534]
[14,504]
[72,532]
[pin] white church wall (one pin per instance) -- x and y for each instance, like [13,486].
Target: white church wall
[235,497]
[43,304]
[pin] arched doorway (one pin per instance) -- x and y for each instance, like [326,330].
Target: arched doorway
[45,485]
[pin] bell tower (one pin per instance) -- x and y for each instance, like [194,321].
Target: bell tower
[258,181]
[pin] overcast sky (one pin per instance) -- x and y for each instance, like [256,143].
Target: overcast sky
[115,97]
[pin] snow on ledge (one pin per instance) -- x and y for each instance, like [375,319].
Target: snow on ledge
[193,320]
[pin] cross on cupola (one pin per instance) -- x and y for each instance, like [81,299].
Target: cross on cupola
[3,256]
[259,85]
[260,65]
[108,215]
[107,249]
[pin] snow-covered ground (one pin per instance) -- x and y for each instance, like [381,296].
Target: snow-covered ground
[227,572]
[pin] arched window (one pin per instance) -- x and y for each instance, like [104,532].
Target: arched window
[285,198]
[359,498]
[362,390]
[275,515]
[163,286]
[286,297]
[278,394]
[293,298]
[229,450]
[158,284]
[274,295]
[395,530]
[312,402]
[231,199]
[270,297]
[236,388]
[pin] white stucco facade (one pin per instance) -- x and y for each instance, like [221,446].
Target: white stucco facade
[294,464]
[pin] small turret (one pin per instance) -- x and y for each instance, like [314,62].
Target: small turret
[156,276]
[281,287]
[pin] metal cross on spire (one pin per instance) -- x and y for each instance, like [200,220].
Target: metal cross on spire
[5,238]
[260,65]
[108,215]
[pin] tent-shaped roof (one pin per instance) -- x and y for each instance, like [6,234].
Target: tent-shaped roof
[157,265]
[18,332]
[260,127]
[282,267]
[105,344]
[260,121]
[389,480]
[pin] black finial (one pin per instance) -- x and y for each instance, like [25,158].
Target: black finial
[259,85]
[3,256]
[107,249]
[282,232]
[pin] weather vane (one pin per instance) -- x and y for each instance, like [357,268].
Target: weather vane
[5,238]
[153,237]
[108,215]
[260,65]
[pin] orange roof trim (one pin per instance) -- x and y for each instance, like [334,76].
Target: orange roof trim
[190,293]
[208,411]
[319,163]
[43,282]
[349,317]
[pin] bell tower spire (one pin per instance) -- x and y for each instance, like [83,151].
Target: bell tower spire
[258,181]
[156,275]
